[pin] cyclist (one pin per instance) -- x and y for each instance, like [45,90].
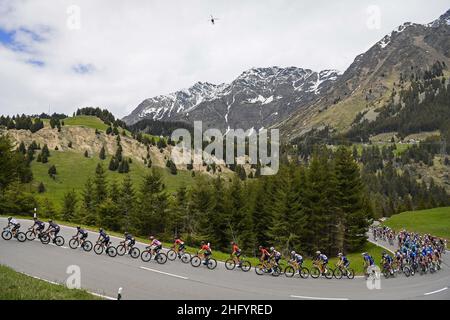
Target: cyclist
[343,260]
[322,260]
[275,255]
[103,238]
[386,261]
[53,229]
[155,245]
[15,225]
[82,233]
[180,243]
[265,257]
[129,241]
[296,259]
[37,226]
[236,253]
[368,261]
[206,250]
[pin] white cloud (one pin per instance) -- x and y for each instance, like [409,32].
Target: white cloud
[137,49]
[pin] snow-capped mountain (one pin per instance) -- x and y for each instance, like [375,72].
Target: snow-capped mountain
[257,98]
[409,49]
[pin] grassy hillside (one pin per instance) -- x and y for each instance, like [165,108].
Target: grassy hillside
[434,221]
[17,286]
[74,169]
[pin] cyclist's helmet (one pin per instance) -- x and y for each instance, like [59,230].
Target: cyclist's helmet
[78,228]
[364,253]
[318,252]
[203,242]
[125,233]
[9,218]
[340,254]
[292,252]
[50,221]
[260,247]
[100,230]
[233,243]
[272,248]
[152,237]
[35,218]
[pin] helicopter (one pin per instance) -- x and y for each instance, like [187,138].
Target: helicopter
[213,20]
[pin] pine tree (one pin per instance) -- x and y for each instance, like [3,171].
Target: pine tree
[52,172]
[153,202]
[22,149]
[100,190]
[41,187]
[88,205]
[70,201]
[126,202]
[353,216]
[109,215]
[102,154]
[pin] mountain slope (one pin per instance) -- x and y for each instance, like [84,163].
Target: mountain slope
[257,98]
[368,82]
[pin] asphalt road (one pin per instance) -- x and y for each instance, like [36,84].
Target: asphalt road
[175,280]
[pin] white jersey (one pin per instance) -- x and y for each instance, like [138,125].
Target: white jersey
[13,221]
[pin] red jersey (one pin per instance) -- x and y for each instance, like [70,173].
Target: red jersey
[235,248]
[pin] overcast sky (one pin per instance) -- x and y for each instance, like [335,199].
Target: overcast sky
[113,53]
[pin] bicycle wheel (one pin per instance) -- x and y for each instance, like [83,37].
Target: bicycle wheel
[230,264]
[315,272]
[304,273]
[73,243]
[21,237]
[59,241]
[350,273]
[30,235]
[329,273]
[7,235]
[406,271]
[135,253]
[196,261]
[289,272]
[212,264]
[259,269]
[121,249]
[186,258]
[246,266]
[45,239]
[98,248]
[276,271]
[337,273]
[87,246]
[161,258]
[146,255]
[171,255]
[111,251]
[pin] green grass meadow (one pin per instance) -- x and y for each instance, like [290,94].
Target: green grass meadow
[433,221]
[17,286]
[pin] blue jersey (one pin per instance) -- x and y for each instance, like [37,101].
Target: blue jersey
[369,259]
[82,232]
[103,235]
[53,225]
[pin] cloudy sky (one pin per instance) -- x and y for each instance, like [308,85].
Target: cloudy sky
[60,55]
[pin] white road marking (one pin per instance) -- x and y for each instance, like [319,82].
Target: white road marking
[166,273]
[437,291]
[316,298]
[102,296]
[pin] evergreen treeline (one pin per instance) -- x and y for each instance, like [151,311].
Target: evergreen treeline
[318,206]
[424,106]
[22,122]
[393,186]
[160,128]
[104,115]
